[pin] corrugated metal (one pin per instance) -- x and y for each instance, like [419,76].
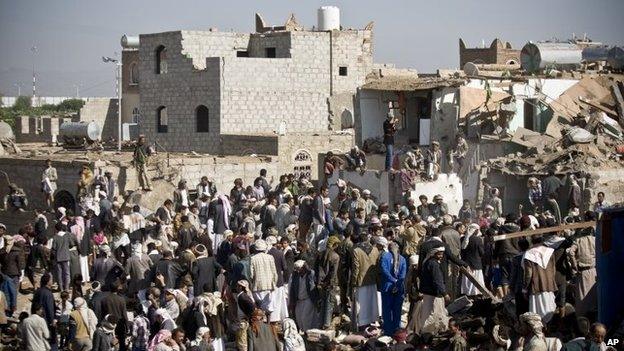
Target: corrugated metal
[537,56]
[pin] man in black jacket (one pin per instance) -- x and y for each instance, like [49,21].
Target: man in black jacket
[432,316]
[44,297]
[205,272]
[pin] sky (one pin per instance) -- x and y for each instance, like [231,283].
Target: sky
[71,36]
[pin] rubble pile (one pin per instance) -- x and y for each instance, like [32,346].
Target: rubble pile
[592,138]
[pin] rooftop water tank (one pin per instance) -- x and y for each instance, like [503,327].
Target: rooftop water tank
[596,53]
[537,56]
[90,131]
[130,42]
[329,18]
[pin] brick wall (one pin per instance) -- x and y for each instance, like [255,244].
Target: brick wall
[316,145]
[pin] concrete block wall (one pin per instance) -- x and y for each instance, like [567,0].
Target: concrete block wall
[281,41]
[198,45]
[316,145]
[42,129]
[244,145]
[181,90]
[103,111]
[351,49]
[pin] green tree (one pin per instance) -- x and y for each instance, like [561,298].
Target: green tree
[22,103]
[70,105]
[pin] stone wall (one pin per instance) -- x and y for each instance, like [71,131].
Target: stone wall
[44,129]
[499,52]
[244,145]
[26,173]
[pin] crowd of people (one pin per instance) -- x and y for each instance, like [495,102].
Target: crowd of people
[255,267]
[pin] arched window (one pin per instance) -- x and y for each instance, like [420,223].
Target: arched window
[134,73]
[302,164]
[161,60]
[136,114]
[162,122]
[201,115]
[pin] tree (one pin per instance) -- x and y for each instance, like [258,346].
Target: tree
[22,103]
[71,105]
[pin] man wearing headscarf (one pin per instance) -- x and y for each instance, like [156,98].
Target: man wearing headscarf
[86,322]
[303,296]
[364,282]
[430,315]
[138,266]
[292,339]
[531,329]
[539,278]
[393,270]
[263,275]
[472,253]
[104,336]
[262,336]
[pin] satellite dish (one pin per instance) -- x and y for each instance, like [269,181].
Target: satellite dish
[471,69]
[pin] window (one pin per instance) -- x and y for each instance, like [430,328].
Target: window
[201,114]
[302,164]
[134,73]
[270,52]
[162,122]
[161,60]
[242,54]
[135,115]
[342,70]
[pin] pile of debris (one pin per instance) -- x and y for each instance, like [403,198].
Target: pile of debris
[592,138]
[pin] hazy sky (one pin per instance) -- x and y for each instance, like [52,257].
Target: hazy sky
[72,35]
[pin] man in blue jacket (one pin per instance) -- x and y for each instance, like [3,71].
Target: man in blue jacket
[393,270]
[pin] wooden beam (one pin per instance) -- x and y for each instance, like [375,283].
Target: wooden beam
[600,107]
[477,283]
[544,230]
[617,90]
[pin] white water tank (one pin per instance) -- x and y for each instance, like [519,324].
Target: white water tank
[328,18]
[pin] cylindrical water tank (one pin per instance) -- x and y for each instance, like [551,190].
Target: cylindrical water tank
[537,56]
[615,58]
[328,18]
[130,42]
[90,131]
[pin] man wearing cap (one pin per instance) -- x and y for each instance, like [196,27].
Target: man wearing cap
[306,214]
[303,297]
[34,330]
[353,203]
[452,238]
[424,209]
[244,309]
[496,203]
[48,183]
[438,208]
[263,275]
[389,129]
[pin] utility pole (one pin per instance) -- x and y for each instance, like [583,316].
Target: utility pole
[77,86]
[34,93]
